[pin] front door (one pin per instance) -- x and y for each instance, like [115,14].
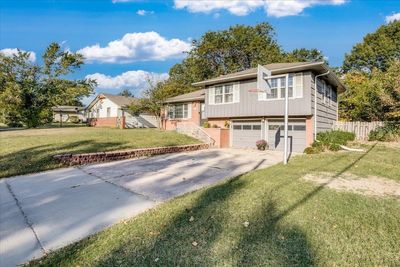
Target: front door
[202,113]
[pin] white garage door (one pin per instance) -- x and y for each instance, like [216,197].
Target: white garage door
[245,134]
[296,135]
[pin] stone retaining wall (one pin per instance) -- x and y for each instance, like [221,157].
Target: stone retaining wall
[87,158]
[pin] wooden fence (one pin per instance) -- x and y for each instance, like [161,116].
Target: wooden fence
[361,129]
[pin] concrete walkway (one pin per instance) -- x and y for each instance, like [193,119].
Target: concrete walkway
[45,211]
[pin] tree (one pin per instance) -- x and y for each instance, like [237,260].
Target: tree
[126,92]
[28,90]
[372,96]
[153,100]
[377,50]
[305,55]
[237,48]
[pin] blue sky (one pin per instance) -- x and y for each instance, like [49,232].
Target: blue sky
[158,31]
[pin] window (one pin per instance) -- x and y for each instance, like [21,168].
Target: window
[97,113]
[299,127]
[327,93]
[334,96]
[273,127]
[223,94]
[274,89]
[178,111]
[108,112]
[278,87]
[256,127]
[246,127]
[237,127]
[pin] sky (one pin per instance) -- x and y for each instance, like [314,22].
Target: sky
[125,41]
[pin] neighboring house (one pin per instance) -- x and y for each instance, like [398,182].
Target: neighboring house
[68,114]
[108,110]
[253,115]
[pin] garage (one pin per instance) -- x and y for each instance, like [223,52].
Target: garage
[296,135]
[245,134]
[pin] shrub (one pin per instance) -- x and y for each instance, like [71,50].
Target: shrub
[215,126]
[227,124]
[261,144]
[73,119]
[206,124]
[335,137]
[390,131]
[330,141]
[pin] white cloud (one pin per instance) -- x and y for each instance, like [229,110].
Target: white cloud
[133,80]
[9,52]
[275,8]
[142,12]
[392,17]
[139,46]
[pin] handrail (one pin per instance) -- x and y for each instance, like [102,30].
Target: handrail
[198,128]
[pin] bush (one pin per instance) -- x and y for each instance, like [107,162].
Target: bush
[73,119]
[390,131]
[261,144]
[227,124]
[215,126]
[330,141]
[206,124]
[335,137]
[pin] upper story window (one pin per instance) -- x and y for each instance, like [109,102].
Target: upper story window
[278,87]
[179,111]
[224,94]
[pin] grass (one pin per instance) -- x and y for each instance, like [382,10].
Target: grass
[28,151]
[291,222]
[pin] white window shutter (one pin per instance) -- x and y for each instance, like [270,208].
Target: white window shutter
[236,93]
[211,96]
[298,85]
[189,110]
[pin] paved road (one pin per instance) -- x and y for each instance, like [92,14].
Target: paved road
[45,211]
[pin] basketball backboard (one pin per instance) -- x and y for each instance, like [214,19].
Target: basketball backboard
[262,81]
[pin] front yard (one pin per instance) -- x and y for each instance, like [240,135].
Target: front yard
[269,217]
[28,151]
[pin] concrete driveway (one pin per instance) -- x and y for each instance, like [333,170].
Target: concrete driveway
[45,211]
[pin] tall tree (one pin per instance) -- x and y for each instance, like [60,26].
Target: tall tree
[305,55]
[377,50]
[28,90]
[372,96]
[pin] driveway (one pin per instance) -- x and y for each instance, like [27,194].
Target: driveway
[45,211]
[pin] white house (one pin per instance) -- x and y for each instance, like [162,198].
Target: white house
[108,110]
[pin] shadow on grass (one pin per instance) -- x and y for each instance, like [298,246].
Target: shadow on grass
[217,228]
[40,158]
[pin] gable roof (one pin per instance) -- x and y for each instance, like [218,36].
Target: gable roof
[122,101]
[278,68]
[192,96]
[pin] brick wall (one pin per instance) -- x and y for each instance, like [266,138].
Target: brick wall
[170,124]
[87,158]
[221,136]
[104,122]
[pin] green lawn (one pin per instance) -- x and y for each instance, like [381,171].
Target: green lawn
[27,151]
[291,222]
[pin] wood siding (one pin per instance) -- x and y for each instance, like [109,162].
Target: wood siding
[326,112]
[250,106]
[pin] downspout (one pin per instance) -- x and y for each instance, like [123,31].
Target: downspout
[315,102]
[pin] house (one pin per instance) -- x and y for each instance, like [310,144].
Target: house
[108,110]
[68,114]
[233,104]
